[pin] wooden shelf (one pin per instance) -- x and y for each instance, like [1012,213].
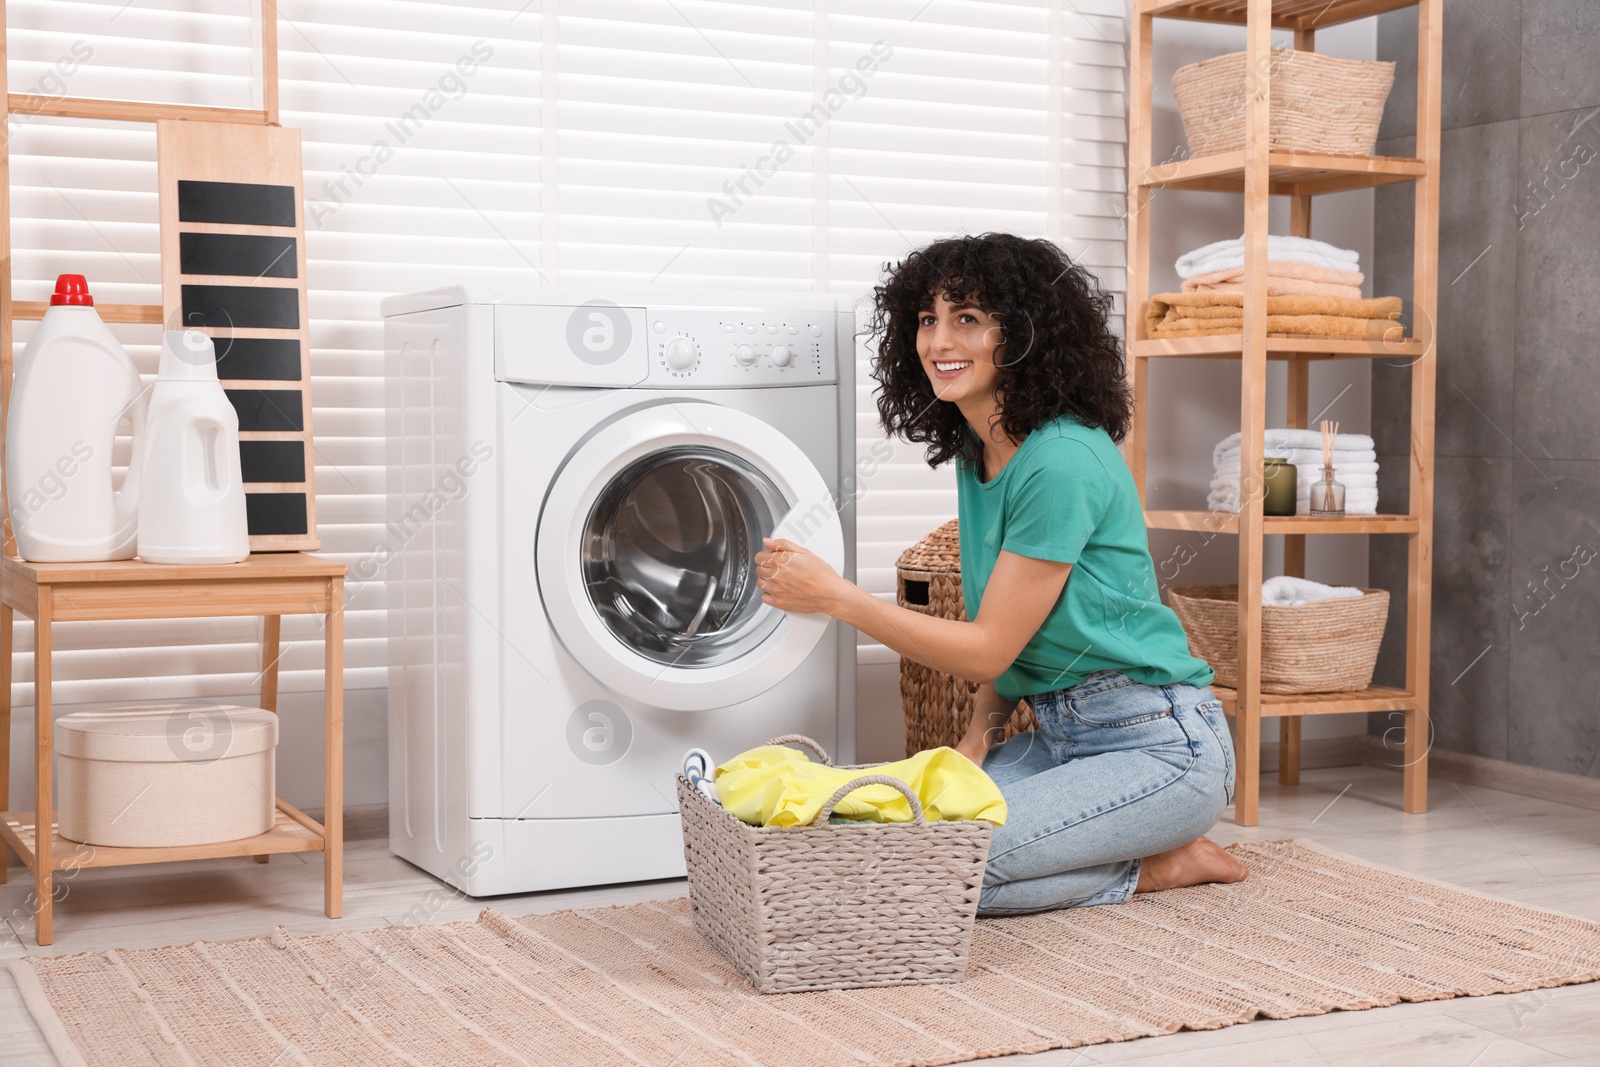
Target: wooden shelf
[1228,522]
[1289,14]
[1300,177]
[256,565]
[1292,173]
[288,834]
[1231,346]
[1372,698]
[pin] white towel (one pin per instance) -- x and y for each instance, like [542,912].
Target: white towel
[1286,439]
[1303,479]
[1356,502]
[1355,459]
[1229,255]
[1229,469]
[1287,589]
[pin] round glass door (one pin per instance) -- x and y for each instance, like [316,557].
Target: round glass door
[646,549]
[668,555]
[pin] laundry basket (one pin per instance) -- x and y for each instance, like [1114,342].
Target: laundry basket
[1324,646]
[1320,103]
[839,906]
[938,707]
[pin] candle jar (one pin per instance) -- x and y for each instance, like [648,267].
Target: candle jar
[1327,496]
[1278,478]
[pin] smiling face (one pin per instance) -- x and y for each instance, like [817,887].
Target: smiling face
[959,346]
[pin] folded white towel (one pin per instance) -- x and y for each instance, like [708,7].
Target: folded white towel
[1356,501]
[1303,479]
[1283,439]
[1342,457]
[1287,589]
[1229,255]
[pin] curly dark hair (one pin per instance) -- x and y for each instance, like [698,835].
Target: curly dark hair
[1059,356]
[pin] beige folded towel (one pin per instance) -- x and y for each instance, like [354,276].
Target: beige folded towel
[1277,268]
[1211,314]
[1284,278]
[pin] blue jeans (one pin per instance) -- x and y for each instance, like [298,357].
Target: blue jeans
[1116,771]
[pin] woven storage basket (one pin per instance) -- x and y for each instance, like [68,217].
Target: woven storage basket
[838,906]
[938,707]
[1327,646]
[1319,103]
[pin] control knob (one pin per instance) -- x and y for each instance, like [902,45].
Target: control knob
[744,355]
[682,354]
[782,355]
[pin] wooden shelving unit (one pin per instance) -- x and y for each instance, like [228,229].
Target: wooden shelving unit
[267,584]
[1256,173]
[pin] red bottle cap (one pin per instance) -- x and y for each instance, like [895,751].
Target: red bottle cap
[71,289]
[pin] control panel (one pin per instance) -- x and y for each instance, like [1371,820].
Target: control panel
[720,348]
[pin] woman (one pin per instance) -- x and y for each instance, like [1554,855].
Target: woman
[995,351]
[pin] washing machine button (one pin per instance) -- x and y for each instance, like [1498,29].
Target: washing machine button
[744,355]
[782,355]
[816,331]
[682,354]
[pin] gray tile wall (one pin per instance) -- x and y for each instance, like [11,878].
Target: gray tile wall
[1516,570]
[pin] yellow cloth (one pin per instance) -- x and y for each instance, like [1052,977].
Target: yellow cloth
[777,786]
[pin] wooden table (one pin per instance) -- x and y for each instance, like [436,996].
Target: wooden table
[267,584]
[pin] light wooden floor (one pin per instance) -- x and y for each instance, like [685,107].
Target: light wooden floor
[1525,849]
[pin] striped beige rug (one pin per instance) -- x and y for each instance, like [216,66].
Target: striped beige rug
[1310,931]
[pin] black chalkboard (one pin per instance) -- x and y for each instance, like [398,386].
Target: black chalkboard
[268,409]
[258,359]
[240,203]
[246,255]
[227,307]
[273,461]
[275,513]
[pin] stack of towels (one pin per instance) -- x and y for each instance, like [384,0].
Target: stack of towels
[1355,466]
[1296,266]
[1313,290]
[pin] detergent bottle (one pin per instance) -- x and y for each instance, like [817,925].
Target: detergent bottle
[191,502]
[75,390]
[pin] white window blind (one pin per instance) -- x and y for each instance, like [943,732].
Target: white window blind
[693,144]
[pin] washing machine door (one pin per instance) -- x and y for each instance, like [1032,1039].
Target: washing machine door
[645,554]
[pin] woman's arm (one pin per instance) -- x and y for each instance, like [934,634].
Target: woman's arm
[990,713]
[1020,593]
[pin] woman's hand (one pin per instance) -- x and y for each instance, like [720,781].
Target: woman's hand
[974,747]
[792,578]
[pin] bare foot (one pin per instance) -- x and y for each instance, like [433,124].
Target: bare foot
[1201,860]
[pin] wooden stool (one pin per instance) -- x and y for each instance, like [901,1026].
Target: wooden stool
[266,584]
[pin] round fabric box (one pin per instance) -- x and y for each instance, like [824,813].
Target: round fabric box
[169,775]
[937,706]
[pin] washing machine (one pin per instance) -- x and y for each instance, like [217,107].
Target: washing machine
[576,485]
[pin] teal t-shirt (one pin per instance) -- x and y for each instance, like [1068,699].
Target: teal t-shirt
[1067,495]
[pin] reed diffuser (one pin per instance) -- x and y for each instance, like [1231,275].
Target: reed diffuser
[1327,496]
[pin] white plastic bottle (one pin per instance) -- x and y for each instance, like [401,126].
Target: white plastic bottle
[191,500]
[74,388]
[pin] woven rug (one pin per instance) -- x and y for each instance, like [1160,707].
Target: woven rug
[1308,932]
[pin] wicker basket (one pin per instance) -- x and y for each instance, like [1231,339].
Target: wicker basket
[938,708]
[1327,646]
[834,907]
[1319,103]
